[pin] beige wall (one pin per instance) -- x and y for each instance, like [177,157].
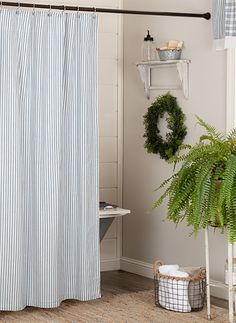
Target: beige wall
[145,236]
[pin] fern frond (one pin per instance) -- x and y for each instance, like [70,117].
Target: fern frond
[228,180]
[210,129]
[209,138]
[200,195]
[161,199]
[165,182]
[232,134]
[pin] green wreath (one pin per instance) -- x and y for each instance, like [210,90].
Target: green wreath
[175,121]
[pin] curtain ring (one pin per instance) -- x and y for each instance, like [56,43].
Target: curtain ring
[50,9]
[64,9]
[33,9]
[94,12]
[18,8]
[78,11]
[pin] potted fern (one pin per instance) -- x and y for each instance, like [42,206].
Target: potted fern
[203,190]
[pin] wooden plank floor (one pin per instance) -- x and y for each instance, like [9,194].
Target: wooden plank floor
[113,282]
[119,282]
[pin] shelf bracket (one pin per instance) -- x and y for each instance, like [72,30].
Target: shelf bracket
[145,69]
[145,74]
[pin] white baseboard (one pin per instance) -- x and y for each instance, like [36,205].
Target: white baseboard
[219,292]
[146,270]
[108,265]
[136,267]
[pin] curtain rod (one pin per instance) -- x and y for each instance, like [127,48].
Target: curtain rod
[206,15]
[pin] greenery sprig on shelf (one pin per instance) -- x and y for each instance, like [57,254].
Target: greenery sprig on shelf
[175,121]
[203,191]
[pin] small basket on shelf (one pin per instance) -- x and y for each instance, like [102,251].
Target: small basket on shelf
[180,294]
[169,54]
[172,50]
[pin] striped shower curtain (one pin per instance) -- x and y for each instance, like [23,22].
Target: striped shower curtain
[49,225]
[224,23]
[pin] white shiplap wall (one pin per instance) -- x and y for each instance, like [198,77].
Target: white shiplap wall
[110,80]
[111,120]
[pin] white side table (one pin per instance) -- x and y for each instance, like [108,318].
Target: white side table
[210,282]
[113,213]
[107,217]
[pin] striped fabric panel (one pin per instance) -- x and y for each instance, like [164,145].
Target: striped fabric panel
[218,18]
[49,223]
[224,23]
[230,18]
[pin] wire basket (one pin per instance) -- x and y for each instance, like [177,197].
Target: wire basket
[180,294]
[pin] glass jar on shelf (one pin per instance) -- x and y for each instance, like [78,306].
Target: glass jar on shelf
[149,48]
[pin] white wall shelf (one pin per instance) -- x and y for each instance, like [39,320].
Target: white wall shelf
[145,70]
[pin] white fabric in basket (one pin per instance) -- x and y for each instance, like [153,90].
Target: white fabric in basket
[173,294]
[167,269]
[195,290]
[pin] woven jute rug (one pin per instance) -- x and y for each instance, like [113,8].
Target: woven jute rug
[112,308]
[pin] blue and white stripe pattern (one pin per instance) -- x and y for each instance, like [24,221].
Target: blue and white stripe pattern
[49,223]
[224,23]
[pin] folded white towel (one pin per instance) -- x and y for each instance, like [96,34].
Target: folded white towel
[190,270]
[166,269]
[173,294]
[178,273]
